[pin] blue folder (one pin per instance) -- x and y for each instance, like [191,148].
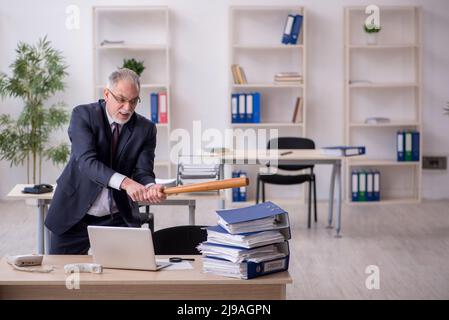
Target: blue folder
[286,37]
[234,107]
[376,186]
[154,108]
[255,212]
[355,185]
[296,29]
[400,145]
[235,191]
[415,146]
[256,107]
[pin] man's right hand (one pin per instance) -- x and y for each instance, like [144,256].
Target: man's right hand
[135,190]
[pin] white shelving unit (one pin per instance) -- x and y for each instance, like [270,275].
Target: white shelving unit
[255,44]
[145,32]
[384,80]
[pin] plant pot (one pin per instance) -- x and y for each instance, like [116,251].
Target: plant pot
[371,38]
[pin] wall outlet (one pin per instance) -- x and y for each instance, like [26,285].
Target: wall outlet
[434,163]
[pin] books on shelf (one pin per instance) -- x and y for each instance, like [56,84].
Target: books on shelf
[198,173]
[407,146]
[297,113]
[288,78]
[249,254]
[292,29]
[238,74]
[365,185]
[344,151]
[377,120]
[158,106]
[245,107]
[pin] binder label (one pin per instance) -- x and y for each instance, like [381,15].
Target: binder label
[274,265]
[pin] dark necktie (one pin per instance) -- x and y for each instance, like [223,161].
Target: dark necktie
[114,144]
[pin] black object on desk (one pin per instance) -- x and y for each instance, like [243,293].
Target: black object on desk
[179,259]
[286,152]
[38,189]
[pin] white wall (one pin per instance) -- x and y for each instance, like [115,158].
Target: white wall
[199,34]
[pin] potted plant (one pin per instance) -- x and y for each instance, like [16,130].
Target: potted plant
[134,65]
[37,74]
[371,31]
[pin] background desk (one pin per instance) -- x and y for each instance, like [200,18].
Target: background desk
[294,157]
[131,284]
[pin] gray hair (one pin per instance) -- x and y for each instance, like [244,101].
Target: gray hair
[123,74]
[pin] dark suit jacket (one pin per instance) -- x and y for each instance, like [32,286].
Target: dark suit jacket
[89,170]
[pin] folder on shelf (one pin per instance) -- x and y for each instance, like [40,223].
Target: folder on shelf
[344,151]
[296,29]
[163,107]
[260,217]
[242,75]
[297,113]
[218,235]
[249,108]
[234,107]
[235,75]
[242,190]
[355,186]
[369,186]
[408,146]
[242,107]
[249,269]
[286,38]
[235,191]
[256,107]
[362,186]
[415,146]
[154,107]
[400,146]
[376,186]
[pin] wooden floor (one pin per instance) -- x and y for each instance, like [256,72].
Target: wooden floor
[409,244]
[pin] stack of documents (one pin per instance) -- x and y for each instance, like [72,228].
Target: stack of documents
[247,242]
[288,77]
[344,151]
[192,173]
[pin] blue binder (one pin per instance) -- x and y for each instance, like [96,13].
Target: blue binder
[234,107]
[257,269]
[400,145]
[296,29]
[242,108]
[233,217]
[242,190]
[249,108]
[369,186]
[355,185]
[415,146]
[154,107]
[376,186]
[286,38]
[256,107]
[235,191]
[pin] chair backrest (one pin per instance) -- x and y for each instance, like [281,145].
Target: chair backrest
[292,143]
[179,240]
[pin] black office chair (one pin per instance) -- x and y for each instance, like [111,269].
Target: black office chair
[179,240]
[290,143]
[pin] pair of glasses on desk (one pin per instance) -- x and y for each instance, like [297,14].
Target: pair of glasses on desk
[179,259]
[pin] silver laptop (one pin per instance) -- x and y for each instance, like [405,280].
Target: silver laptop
[123,248]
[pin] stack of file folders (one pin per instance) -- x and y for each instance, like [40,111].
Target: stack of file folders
[197,173]
[247,242]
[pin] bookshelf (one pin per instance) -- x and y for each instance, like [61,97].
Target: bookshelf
[383,80]
[255,44]
[145,32]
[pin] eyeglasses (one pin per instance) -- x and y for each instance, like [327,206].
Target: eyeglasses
[121,100]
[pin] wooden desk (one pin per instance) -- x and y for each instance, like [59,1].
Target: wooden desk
[131,284]
[293,157]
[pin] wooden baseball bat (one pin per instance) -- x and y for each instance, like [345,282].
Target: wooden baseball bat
[207,186]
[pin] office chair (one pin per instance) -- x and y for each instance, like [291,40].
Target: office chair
[291,143]
[179,240]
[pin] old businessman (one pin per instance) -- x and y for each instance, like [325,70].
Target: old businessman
[110,167]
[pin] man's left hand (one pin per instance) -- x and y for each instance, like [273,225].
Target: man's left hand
[155,193]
